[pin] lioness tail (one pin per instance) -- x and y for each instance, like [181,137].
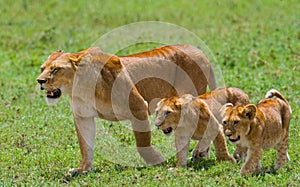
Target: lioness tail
[271,93]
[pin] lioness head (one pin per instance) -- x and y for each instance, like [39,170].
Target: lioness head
[236,121]
[168,113]
[57,74]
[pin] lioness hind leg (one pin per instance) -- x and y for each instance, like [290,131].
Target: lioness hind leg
[221,148]
[146,150]
[142,130]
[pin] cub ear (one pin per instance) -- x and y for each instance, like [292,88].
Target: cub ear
[159,103]
[178,102]
[223,108]
[186,98]
[249,111]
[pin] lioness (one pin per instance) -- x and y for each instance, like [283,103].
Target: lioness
[259,127]
[119,88]
[197,118]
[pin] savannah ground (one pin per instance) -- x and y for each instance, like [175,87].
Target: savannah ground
[256,45]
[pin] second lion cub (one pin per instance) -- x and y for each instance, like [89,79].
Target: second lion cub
[259,127]
[197,118]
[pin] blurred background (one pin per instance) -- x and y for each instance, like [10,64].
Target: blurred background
[256,44]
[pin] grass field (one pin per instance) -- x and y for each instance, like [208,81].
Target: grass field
[256,45]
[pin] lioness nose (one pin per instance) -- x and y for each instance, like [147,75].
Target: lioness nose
[41,81]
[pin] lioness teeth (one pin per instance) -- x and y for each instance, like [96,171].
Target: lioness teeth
[54,93]
[50,93]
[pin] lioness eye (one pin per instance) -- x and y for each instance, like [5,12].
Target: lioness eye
[55,69]
[167,112]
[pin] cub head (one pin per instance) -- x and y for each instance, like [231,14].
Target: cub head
[236,121]
[168,112]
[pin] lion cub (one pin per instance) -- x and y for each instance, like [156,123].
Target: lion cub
[215,100]
[259,127]
[193,117]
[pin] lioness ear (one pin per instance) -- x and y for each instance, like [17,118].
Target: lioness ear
[223,108]
[249,111]
[76,57]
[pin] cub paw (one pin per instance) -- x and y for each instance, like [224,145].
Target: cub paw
[196,155]
[239,157]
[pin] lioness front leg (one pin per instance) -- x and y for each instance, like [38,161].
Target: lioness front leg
[85,128]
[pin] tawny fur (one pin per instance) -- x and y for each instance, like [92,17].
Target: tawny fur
[197,118]
[215,100]
[119,88]
[259,127]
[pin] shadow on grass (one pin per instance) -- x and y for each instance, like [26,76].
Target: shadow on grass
[68,177]
[202,164]
[267,170]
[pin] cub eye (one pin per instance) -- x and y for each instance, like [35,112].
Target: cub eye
[224,123]
[42,69]
[235,123]
[167,113]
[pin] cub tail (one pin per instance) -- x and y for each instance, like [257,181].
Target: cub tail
[274,93]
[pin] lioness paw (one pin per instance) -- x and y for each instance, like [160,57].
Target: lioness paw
[73,172]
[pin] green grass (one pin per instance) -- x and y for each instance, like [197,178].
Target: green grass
[256,44]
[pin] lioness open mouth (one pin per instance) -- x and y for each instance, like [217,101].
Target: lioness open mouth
[235,140]
[167,130]
[54,93]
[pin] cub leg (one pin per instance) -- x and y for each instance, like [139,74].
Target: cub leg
[182,145]
[199,153]
[252,161]
[282,147]
[240,153]
[221,148]
[282,153]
